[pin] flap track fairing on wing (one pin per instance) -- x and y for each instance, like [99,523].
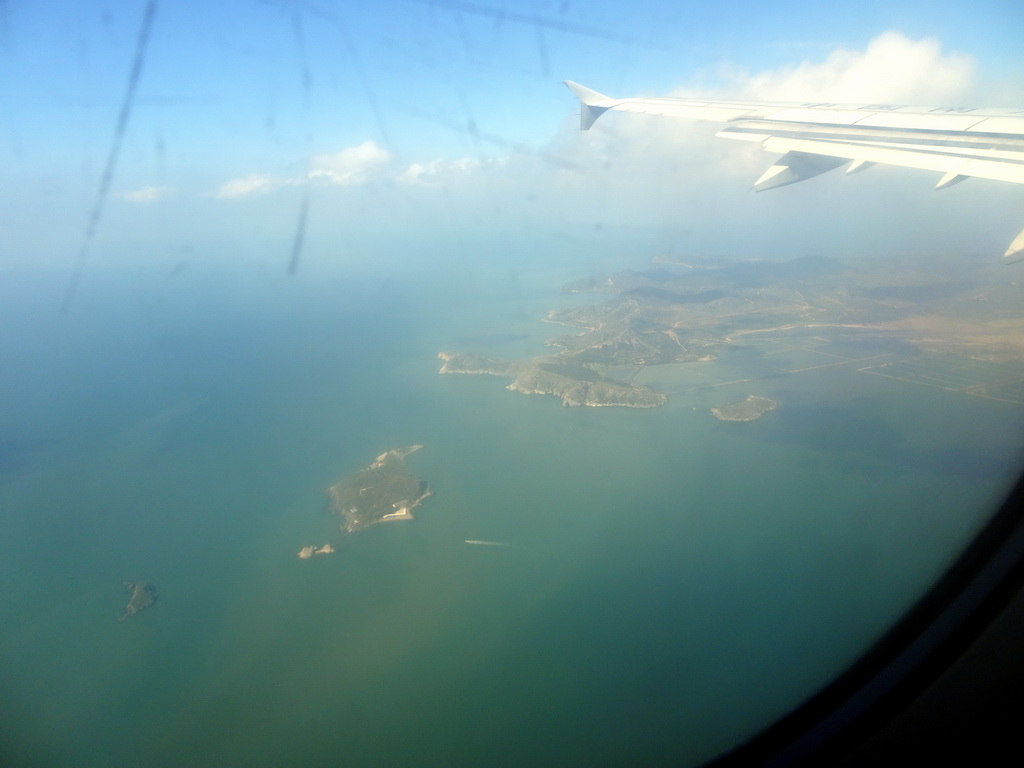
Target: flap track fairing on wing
[796,166]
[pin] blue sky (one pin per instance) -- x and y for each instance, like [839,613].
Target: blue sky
[242,99]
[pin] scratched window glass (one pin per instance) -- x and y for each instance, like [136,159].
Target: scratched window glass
[358,407]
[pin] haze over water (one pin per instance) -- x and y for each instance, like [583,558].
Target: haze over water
[673,582]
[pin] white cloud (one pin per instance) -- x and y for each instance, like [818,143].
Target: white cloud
[354,165]
[146,194]
[892,69]
[436,172]
[351,166]
[254,183]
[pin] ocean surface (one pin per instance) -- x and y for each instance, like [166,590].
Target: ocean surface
[671,582]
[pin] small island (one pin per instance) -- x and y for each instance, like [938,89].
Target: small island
[143,595]
[307,552]
[746,410]
[381,493]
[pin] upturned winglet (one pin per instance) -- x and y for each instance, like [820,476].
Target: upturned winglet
[592,103]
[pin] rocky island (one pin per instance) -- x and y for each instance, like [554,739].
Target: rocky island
[307,552]
[143,595]
[382,492]
[746,410]
[573,382]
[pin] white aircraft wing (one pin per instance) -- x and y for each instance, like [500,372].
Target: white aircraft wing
[814,137]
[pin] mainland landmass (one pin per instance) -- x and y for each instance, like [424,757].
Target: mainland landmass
[679,327]
[381,493]
[746,410]
[143,595]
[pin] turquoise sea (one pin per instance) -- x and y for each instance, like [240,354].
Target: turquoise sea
[671,583]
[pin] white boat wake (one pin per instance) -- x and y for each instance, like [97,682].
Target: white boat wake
[489,543]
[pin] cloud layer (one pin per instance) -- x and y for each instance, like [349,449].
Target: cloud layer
[662,177]
[893,69]
[354,165]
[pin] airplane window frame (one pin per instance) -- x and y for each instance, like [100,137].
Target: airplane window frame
[915,653]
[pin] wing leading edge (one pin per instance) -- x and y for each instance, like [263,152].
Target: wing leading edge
[815,137]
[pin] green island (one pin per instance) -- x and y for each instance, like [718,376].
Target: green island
[383,492]
[746,410]
[680,327]
[143,595]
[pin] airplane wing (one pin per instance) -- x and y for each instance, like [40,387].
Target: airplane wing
[815,137]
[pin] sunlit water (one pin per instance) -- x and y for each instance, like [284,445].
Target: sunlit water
[672,582]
